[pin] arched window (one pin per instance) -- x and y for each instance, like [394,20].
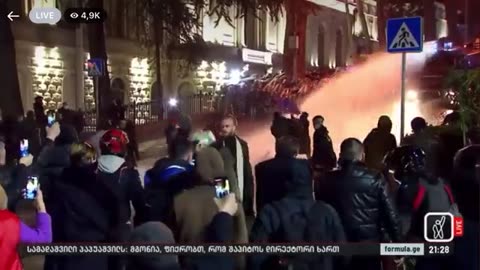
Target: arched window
[339,61]
[321,47]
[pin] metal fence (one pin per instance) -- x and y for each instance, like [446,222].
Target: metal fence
[154,111]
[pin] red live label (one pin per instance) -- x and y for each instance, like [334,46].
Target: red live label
[458,226]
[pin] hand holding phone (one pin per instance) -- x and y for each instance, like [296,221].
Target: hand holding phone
[24,148]
[222,187]
[227,204]
[50,119]
[31,190]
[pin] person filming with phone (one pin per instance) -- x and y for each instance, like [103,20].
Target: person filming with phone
[193,218]
[13,177]
[14,232]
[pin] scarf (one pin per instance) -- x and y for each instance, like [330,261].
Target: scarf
[239,163]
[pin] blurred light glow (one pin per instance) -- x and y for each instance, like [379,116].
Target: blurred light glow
[140,81]
[448,46]
[235,76]
[412,95]
[430,47]
[173,102]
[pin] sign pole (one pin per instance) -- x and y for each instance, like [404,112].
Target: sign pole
[402,99]
[404,35]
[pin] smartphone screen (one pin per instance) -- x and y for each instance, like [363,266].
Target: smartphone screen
[50,119]
[222,187]
[32,188]
[24,148]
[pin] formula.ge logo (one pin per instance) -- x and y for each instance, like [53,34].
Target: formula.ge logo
[440,227]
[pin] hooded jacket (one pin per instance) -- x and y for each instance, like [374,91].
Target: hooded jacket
[323,153]
[162,183]
[192,218]
[271,177]
[86,210]
[54,157]
[153,232]
[296,218]
[125,184]
[377,144]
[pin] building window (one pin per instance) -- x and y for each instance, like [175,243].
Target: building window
[249,29]
[262,30]
[339,49]
[44,3]
[321,47]
[48,75]
[132,18]
[30,4]
[272,32]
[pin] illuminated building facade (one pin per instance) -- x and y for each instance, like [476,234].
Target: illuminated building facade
[51,60]
[248,47]
[329,44]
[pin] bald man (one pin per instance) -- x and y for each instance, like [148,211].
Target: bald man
[361,199]
[243,169]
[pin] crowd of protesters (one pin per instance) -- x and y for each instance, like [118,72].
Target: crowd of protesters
[375,191]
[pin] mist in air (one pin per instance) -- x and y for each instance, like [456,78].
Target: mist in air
[352,102]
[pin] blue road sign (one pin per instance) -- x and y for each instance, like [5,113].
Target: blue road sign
[96,67]
[405,35]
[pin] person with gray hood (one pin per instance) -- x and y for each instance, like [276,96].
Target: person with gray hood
[158,233]
[220,230]
[297,218]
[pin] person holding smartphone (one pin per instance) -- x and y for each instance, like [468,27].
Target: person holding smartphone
[13,177]
[193,218]
[14,232]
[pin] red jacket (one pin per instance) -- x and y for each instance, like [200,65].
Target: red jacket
[9,240]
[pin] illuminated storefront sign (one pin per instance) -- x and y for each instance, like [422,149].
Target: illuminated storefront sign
[258,57]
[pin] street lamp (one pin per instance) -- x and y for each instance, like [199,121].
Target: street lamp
[173,102]
[235,76]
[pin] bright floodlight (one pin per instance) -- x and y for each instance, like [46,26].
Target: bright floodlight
[412,95]
[173,102]
[235,76]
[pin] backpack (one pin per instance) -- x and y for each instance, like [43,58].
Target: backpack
[305,226]
[424,192]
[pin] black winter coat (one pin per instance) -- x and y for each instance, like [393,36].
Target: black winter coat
[323,154]
[127,188]
[361,199]
[280,221]
[271,177]
[84,208]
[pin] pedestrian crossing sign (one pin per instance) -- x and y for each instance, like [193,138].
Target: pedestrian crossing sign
[405,35]
[95,67]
